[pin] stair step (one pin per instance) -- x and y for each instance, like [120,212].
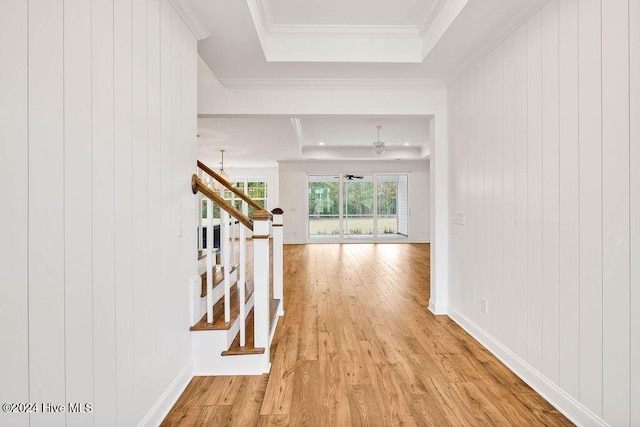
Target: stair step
[202,253]
[218,314]
[218,276]
[236,350]
[249,348]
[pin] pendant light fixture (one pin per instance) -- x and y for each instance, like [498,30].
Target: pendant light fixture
[378,147]
[222,173]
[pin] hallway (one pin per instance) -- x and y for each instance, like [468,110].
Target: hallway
[357,346]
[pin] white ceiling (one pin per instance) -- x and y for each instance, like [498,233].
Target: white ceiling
[347,12]
[234,49]
[258,40]
[247,141]
[261,141]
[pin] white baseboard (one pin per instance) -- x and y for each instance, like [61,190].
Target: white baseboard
[437,309]
[164,404]
[566,404]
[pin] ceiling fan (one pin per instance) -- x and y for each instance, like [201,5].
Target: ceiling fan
[349,177]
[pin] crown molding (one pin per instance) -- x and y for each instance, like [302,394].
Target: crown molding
[352,43]
[323,84]
[345,31]
[297,128]
[429,14]
[465,66]
[186,12]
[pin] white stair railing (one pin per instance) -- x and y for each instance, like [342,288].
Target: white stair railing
[261,224]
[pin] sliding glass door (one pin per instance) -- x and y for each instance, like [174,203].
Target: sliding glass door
[351,207]
[392,206]
[324,206]
[358,218]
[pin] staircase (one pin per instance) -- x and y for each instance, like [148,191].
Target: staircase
[237,299]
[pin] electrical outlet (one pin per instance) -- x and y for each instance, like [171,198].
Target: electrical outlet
[484,305]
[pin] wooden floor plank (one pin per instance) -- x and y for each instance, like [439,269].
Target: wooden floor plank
[306,406]
[357,346]
[245,410]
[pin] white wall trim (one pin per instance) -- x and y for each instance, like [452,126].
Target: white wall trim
[409,31]
[337,43]
[297,128]
[323,84]
[164,404]
[464,67]
[437,309]
[566,404]
[429,15]
[185,10]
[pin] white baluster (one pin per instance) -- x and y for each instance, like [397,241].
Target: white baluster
[278,265]
[242,276]
[261,282]
[210,255]
[226,263]
[233,234]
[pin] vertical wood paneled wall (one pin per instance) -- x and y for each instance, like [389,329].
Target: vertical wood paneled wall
[545,146]
[98,122]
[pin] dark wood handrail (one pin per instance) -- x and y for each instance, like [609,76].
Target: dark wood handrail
[230,186]
[198,185]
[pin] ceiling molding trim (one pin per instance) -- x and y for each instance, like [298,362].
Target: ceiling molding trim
[265,14]
[345,31]
[465,66]
[261,16]
[322,84]
[190,18]
[448,12]
[429,15]
[361,152]
[297,128]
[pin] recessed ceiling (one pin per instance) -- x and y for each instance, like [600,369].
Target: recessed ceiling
[351,31]
[234,50]
[263,141]
[256,43]
[347,12]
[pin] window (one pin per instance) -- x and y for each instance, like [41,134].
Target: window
[358,207]
[254,187]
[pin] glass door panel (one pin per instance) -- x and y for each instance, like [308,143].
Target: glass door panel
[392,206]
[358,218]
[387,194]
[324,206]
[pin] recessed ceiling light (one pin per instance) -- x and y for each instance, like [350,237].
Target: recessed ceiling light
[406,143]
[321,143]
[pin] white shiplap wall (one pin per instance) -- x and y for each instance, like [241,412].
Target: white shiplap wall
[545,167]
[98,113]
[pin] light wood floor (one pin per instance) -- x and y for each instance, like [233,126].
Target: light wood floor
[358,347]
